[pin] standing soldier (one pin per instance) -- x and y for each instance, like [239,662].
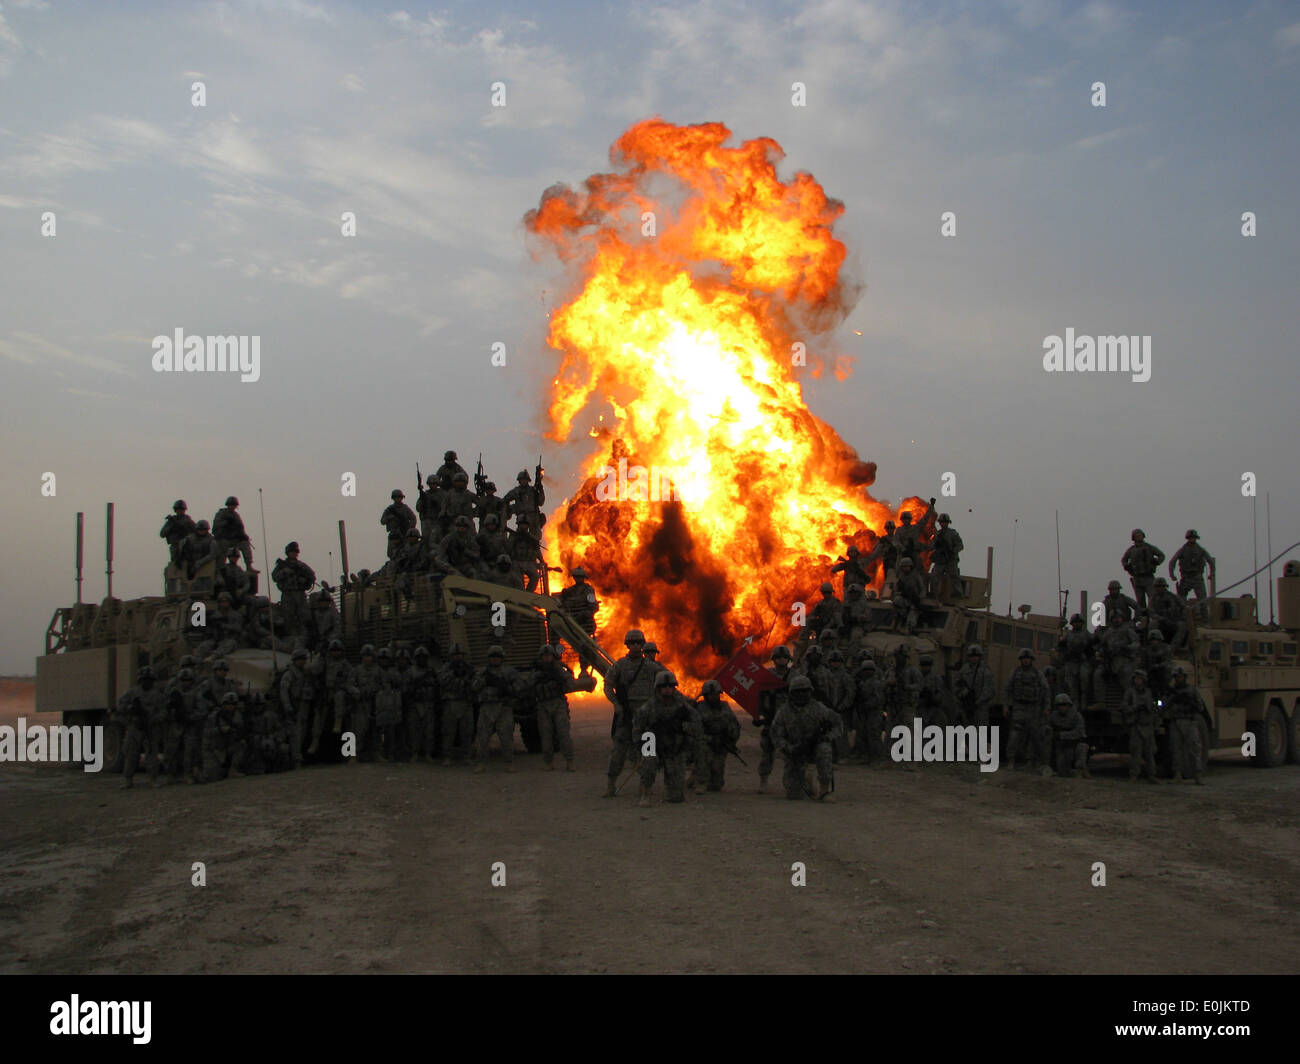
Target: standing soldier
[668,716]
[491,539]
[447,471]
[368,678]
[428,506]
[496,685]
[143,712]
[335,687]
[294,579]
[455,503]
[1118,602]
[769,704]
[215,687]
[841,691]
[908,538]
[804,731]
[487,502]
[1169,613]
[1139,711]
[554,681]
[869,714]
[228,531]
[455,683]
[177,528]
[1027,696]
[826,614]
[1159,658]
[1075,648]
[628,684]
[578,600]
[198,548]
[854,618]
[974,688]
[397,518]
[885,553]
[1192,560]
[1142,561]
[422,707]
[524,502]
[945,561]
[187,717]
[526,552]
[853,568]
[1070,738]
[908,593]
[223,743]
[388,706]
[720,731]
[297,693]
[932,696]
[1185,708]
[1119,651]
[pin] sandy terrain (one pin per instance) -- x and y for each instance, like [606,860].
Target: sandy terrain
[387,868]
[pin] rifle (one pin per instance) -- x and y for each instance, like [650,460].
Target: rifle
[538,471]
[480,478]
[731,749]
[419,480]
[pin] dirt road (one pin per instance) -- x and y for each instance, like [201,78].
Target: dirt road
[388,868]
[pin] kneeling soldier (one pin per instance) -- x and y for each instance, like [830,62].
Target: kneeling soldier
[804,731]
[1071,738]
[666,716]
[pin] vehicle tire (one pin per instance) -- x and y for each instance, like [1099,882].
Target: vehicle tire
[529,733]
[1293,737]
[1270,738]
[112,745]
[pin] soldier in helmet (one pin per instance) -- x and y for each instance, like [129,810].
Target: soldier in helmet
[1159,656]
[526,551]
[974,689]
[504,572]
[1119,652]
[826,614]
[910,538]
[326,623]
[1075,648]
[230,577]
[225,629]
[667,718]
[422,707]
[1118,602]
[457,502]
[553,681]
[932,699]
[297,695]
[945,561]
[1169,613]
[719,731]
[770,703]
[142,712]
[428,507]
[1140,714]
[488,503]
[411,560]
[177,528]
[294,578]
[805,731]
[492,540]
[1026,695]
[840,695]
[1192,560]
[853,567]
[1142,561]
[578,600]
[628,684]
[368,678]
[868,713]
[447,471]
[228,531]
[908,593]
[885,555]
[652,652]
[496,685]
[198,548]
[1069,738]
[336,693]
[397,518]
[855,619]
[1185,709]
[223,745]
[455,683]
[388,706]
[263,622]
[524,503]
[187,715]
[458,550]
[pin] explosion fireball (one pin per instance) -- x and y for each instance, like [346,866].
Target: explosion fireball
[714,499]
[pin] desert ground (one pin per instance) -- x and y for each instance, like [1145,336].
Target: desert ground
[388,868]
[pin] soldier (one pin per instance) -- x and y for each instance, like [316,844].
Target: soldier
[1139,712]
[143,713]
[670,718]
[496,685]
[578,600]
[769,705]
[458,550]
[397,518]
[1192,560]
[945,561]
[818,674]
[1119,651]
[524,502]
[294,579]
[230,577]
[224,628]
[447,471]
[1075,649]
[336,690]
[1027,696]
[368,678]
[457,502]
[719,731]
[1142,561]
[1117,601]
[869,714]
[212,690]
[262,623]
[553,682]
[422,707]
[909,677]
[488,503]
[1055,685]
[492,540]
[270,743]
[853,568]
[908,538]
[854,618]
[1159,658]
[826,614]
[526,552]
[932,696]
[388,706]
[1185,709]
[428,507]
[628,684]
[841,691]
[885,554]
[326,623]
[411,560]
[1169,612]
[198,548]
[228,531]
[297,694]
[898,703]
[804,731]
[187,715]
[455,684]
[223,742]
[177,528]
[1070,738]
[974,688]
[908,593]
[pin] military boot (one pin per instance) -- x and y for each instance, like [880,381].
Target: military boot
[315,745]
[762,784]
[568,764]
[644,800]
[609,787]
[478,766]
[550,766]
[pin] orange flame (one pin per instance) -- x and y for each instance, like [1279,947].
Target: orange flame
[702,281]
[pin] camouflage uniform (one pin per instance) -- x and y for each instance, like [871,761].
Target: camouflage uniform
[187,715]
[176,529]
[297,695]
[397,518]
[932,696]
[487,503]
[674,724]
[228,531]
[234,580]
[908,593]
[1192,560]
[578,600]
[1185,708]
[826,614]
[496,685]
[458,502]
[855,617]
[198,548]
[1070,738]
[553,682]
[225,629]
[1026,695]
[628,684]
[805,731]
[526,552]
[1170,613]
[492,540]
[841,692]
[719,732]
[422,707]
[327,625]
[869,714]
[974,689]
[294,578]
[769,705]
[1075,648]
[945,560]
[455,682]
[143,713]
[448,471]
[388,707]
[1141,561]
[1140,714]
[270,746]
[223,742]
[458,551]
[1119,650]
[336,690]
[854,569]
[524,503]
[1118,602]
[368,679]
[1159,657]
[428,507]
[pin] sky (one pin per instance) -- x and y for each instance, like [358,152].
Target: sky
[375,349]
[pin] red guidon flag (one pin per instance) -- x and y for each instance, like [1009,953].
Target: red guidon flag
[743,678]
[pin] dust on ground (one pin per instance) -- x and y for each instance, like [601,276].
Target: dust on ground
[388,868]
